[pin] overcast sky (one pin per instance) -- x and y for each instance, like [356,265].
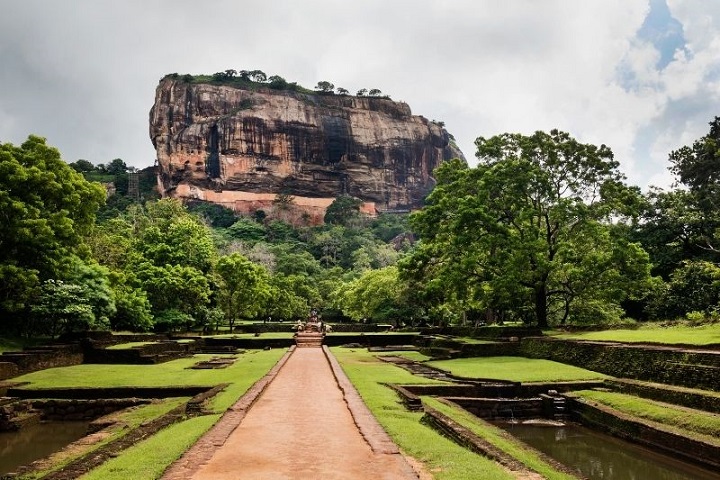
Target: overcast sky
[641,76]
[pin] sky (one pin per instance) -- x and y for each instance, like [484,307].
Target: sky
[641,76]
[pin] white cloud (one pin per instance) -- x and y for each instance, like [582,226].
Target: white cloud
[83,73]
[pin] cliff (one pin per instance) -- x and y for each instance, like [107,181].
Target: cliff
[241,147]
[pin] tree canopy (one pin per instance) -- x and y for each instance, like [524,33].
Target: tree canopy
[529,229]
[47,209]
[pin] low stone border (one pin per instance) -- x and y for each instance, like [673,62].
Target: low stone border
[686,397]
[201,452]
[464,437]
[90,393]
[371,430]
[411,401]
[644,432]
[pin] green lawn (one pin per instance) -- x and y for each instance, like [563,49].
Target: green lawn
[691,420]
[241,375]
[149,458]
[16,344]
[126,346]
[654,333]
[288,334]
[444,459]
[126,420]
[517,369]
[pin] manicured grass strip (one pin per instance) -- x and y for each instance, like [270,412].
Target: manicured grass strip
[696,421]
[126,421]
[149,458]
[126,346]
[175,372]
[517,369]
[499,438]
[288,334]
[444,459]
[653,333]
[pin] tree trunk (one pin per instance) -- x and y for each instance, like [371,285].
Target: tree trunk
[541,305]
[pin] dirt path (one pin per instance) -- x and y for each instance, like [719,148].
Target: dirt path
[301,428]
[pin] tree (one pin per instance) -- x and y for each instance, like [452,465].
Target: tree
[82,166]
[133,310]
[362,92]
[343,210]
[247,230]
[243,287]
[47,209]
[698,167]
[374,92]
[376,294]
[325,87]
[513,231]
[173,287]
[277,82]
[116,167]
[216,215]
[342,91]
[258,76]
[62,308]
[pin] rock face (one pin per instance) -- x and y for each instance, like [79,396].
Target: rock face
[242,147]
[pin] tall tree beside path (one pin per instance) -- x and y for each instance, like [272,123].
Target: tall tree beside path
[530,229]
[46,209]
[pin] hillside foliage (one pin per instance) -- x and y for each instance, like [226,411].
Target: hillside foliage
[542,231]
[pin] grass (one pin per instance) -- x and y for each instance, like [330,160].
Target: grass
[654,333]
[248,368]
[149,458]
[497,437]
[444,459]
[126,421]
[515,369]
[126,346]
[8,344]
[691,420]
[474,341]
[288,334]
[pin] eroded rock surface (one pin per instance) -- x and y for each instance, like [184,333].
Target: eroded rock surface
[241,147]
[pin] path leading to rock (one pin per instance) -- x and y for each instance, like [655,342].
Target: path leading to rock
[301,427]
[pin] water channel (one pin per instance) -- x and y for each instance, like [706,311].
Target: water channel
[603,457]
[36,441]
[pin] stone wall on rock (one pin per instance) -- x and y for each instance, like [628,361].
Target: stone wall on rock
[240,147]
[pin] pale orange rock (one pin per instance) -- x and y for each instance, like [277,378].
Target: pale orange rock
[242,147]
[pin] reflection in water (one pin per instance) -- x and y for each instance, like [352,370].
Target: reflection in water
[36,441]
[603,457]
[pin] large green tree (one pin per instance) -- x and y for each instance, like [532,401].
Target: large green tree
[528,229]
[243,287]
[46,209]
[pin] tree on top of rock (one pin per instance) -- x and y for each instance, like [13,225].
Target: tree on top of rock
[325,87]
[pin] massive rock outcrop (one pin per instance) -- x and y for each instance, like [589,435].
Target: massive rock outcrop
[242,147]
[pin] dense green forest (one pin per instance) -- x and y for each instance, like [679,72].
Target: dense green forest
[544,230]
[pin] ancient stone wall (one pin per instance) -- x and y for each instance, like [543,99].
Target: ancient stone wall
[695,369]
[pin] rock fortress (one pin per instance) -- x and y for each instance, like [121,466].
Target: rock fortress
[248,147]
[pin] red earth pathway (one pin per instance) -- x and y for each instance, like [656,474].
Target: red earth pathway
[308,423]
